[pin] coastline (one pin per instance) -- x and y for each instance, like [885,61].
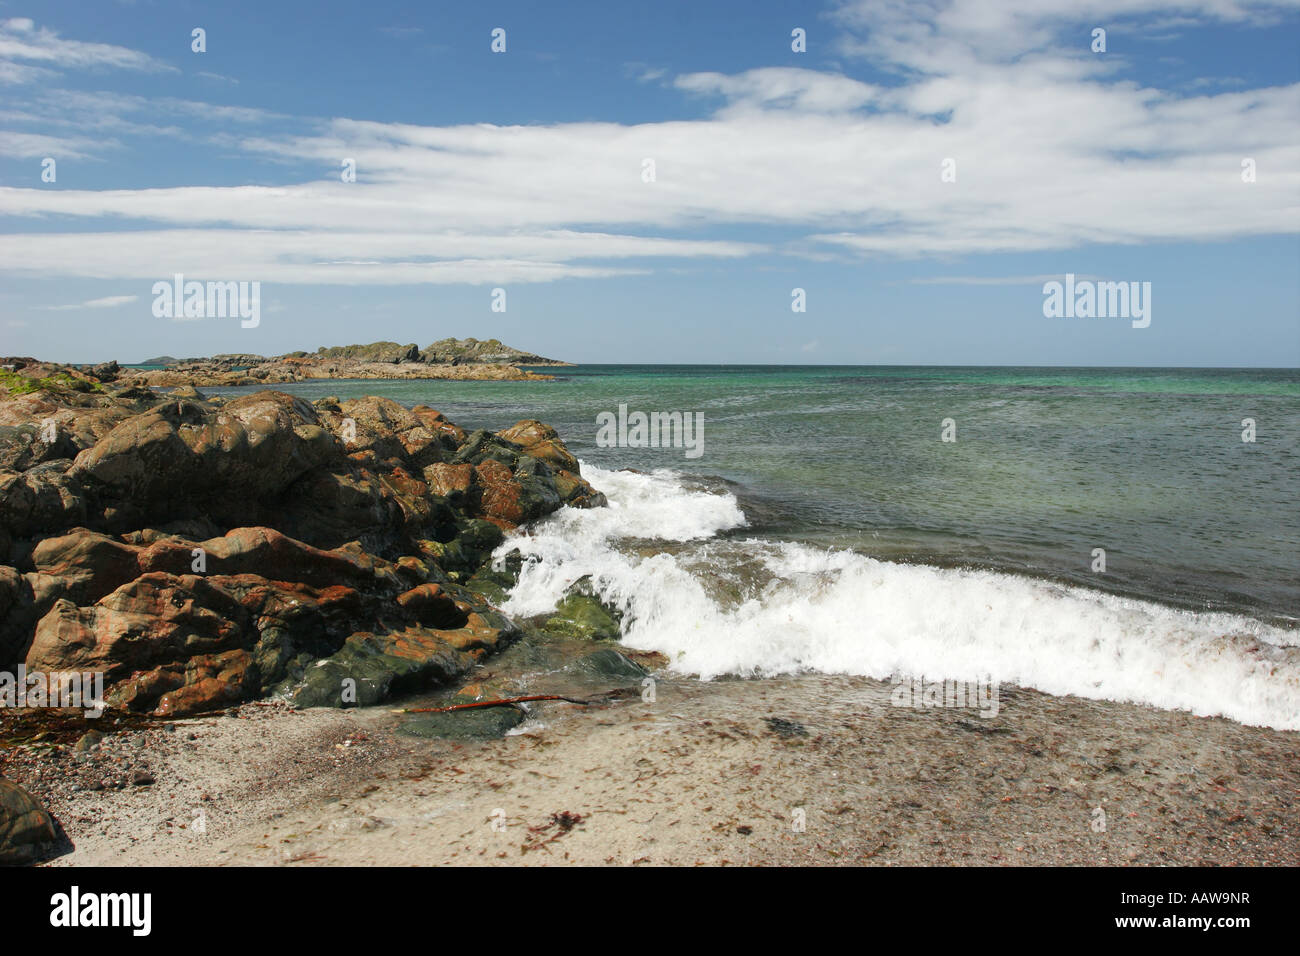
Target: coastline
[710,772]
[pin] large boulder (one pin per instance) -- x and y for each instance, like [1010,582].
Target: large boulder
[166,461]
[82,566]
[17,615]
[23,446]
[494,477]
[372,667]
[390,430]
[354,503]
[39,499]
[154,619]
[25,826]
[541,442]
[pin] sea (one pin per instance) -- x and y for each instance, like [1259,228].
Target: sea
[1125,534]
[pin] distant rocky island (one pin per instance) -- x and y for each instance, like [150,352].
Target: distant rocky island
[449,358]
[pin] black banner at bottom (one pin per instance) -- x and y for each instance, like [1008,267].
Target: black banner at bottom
[341,906]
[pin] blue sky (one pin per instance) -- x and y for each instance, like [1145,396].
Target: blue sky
[774,170]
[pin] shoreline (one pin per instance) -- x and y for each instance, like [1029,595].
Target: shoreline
[700,776]
[300,591]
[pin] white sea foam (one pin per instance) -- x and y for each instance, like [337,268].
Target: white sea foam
[840,612]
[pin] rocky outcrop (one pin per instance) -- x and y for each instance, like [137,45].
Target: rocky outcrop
[199,553]
[473,351]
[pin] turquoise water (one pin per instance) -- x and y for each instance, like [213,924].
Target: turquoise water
[1048,464]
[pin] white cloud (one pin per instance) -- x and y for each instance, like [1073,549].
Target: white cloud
[20,39]
[107,302]
[333,258]
[783,87]
[1053,149]
[38,146]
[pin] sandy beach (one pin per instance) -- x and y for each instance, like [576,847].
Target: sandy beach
[710,773]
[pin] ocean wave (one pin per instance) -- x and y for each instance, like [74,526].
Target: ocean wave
[766,608]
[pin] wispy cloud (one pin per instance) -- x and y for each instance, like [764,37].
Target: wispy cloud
[107,302]
[992,280]
[21,39]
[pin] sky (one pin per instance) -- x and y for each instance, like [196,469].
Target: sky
[651,182]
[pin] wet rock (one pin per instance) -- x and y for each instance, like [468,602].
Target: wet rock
[609,665]
[581,614]
[492,584]
[477,723]
[483,446]
[371,668]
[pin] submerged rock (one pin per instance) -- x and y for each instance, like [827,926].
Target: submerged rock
[480,723]
[609,665]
